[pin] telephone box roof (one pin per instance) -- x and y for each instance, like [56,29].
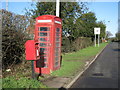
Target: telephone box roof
[47,17]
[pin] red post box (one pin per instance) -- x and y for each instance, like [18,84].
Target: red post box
[31,50]
[48,30]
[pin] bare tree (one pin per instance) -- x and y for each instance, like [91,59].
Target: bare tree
[108,34]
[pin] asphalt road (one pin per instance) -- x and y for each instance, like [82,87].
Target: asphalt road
[103,73]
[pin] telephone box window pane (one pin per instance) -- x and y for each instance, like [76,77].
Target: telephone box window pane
[58,30]
[43,44]
[41,59]
[43,56]
[57,54]
[57,44]
[42,49]
[41,53]
[42,34]
[43,39]
[57,39]
[57,58]
[45,59]
[56,64]
[43,29]
[57,49]
[57,34]
[45,65]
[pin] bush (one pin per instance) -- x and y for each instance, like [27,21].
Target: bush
[66,45]
[13,38]
[81,42]
[75,45]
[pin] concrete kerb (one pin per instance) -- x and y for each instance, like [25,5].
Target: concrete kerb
[73,80]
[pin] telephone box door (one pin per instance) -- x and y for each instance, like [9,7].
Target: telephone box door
[44,44]
[44,40]
[48,32]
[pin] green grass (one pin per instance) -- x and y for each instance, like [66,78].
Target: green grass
[23,82]
[72,62]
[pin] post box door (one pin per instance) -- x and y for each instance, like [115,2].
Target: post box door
[44,44]
[30,50]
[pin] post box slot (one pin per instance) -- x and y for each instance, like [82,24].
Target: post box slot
[43,53]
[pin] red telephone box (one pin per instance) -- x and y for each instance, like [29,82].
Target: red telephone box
[48,30]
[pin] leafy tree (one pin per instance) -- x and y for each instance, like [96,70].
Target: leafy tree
[76,20]
[69,12]
[86,24]
[102,29]
[118,35]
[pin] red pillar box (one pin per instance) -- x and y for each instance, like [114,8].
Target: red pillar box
[48,30]
[31,50]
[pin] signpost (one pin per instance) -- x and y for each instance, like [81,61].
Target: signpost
[97,31]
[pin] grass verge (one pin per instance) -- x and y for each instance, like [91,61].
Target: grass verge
[23,82]
[72,62]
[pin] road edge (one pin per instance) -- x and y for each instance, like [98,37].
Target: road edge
[73,81]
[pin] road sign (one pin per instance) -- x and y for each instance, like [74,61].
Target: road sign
[96,30]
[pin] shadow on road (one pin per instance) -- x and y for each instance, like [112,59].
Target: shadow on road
[116,50]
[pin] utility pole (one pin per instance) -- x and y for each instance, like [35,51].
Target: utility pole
[57,7]
[6,5]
